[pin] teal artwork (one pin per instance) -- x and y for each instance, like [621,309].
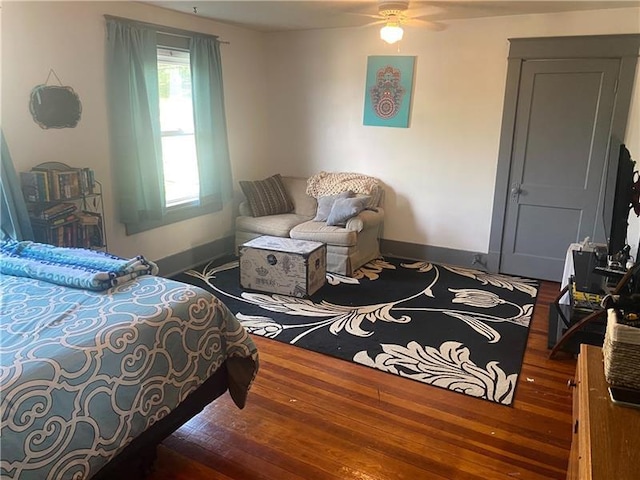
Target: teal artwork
[388,91]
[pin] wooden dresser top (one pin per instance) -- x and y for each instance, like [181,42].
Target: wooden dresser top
[613,442]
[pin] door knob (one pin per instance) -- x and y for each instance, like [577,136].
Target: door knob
[515,190]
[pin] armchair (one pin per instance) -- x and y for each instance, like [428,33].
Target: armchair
[349,246]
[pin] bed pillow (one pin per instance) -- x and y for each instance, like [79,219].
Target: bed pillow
[345,208]
[267,197]
[326,203]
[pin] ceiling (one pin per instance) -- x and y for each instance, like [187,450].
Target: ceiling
[283,15]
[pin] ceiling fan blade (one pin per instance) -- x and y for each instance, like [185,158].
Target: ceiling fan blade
[423,12]
[368,15]
[378,22]
[416,22]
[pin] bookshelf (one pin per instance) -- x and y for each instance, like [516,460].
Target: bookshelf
[65,205]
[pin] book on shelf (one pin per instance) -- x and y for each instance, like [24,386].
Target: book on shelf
[67,235]
[69,184]
[87,181]
[59,220]
[52,182]
[90,236]
[53,211]
[29,185]
[35,186]
[89,218]
[63,220]
[90,230]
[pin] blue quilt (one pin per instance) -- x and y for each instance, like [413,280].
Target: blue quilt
[84,372]
[73,267]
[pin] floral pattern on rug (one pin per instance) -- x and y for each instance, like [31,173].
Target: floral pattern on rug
[452,327]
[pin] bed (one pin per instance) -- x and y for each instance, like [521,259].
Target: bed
[92,379]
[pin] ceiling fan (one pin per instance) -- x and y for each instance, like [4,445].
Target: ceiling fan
[396,13]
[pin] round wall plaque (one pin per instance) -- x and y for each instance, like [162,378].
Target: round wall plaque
[55,106]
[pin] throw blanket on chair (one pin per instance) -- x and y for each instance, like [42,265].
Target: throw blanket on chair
[331,183]
[72,267]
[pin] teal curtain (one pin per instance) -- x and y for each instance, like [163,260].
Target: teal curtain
[210,123]
[132,83]
[14,218]
[136,141]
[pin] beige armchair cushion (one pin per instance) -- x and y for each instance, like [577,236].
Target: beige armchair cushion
[274,225]
[303,204]
[321,232]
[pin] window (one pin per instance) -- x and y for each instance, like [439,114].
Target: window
[179,159]
[166,102]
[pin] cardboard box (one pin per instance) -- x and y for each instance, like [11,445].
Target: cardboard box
[283,265]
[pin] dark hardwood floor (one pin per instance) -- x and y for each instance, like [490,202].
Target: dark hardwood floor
[310,416]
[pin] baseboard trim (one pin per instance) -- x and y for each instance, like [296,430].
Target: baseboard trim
[182,261]
[415,251]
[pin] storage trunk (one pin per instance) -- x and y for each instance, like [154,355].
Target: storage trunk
[283,265]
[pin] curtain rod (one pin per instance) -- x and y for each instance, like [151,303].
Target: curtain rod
[164,29]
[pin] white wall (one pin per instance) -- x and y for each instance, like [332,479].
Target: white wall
[69,37]
[440,171]
[295,105]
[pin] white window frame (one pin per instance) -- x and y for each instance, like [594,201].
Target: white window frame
[178,56]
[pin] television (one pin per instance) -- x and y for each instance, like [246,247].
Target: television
[622,202]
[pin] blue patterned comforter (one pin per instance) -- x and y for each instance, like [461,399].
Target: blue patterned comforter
[82,372]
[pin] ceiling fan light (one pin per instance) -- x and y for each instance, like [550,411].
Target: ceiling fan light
[391,33]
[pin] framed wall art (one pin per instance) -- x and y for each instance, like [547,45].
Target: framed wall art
[388,90]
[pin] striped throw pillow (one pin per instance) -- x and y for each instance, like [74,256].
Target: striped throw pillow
[267,197]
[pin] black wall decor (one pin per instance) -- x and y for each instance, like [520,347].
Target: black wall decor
[54,106]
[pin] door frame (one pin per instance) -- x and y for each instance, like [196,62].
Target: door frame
[623,47]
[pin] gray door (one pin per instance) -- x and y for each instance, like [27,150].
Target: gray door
[558,162]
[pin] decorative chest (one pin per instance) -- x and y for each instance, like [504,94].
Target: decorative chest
[283,265]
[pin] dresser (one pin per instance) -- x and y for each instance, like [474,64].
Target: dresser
[606,437]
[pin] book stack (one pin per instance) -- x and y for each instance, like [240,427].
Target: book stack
[55,224]
[90,230]
[53,212]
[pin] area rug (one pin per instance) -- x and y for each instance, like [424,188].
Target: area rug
[456,328]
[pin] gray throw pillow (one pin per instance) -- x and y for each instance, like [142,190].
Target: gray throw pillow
[345,208]
[267,197]
[326,203]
